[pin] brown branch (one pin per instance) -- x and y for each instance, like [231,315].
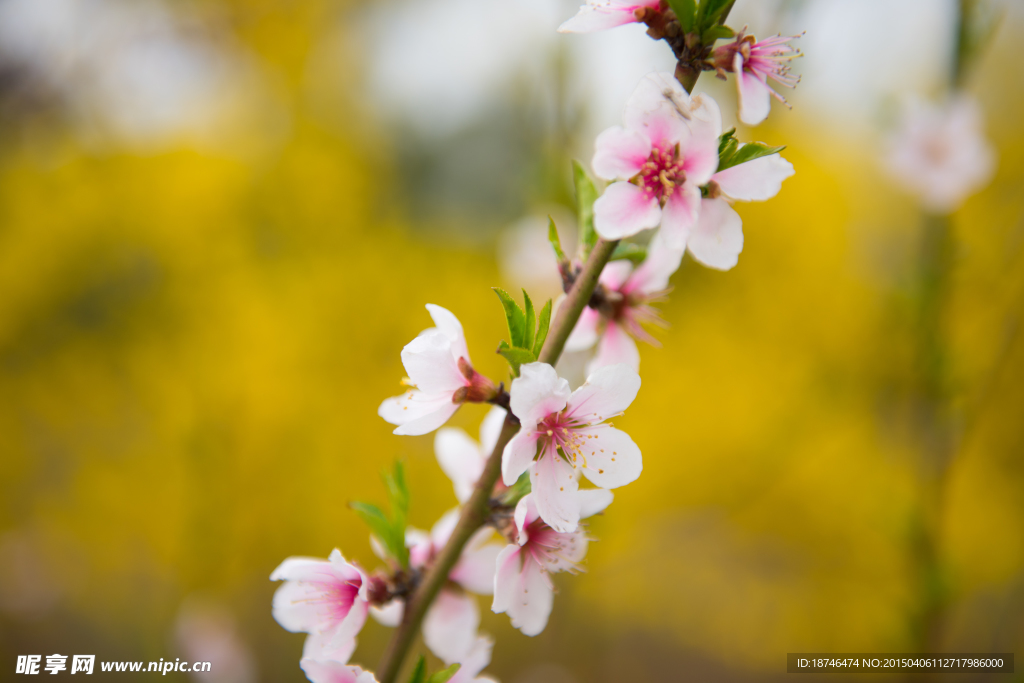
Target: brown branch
[477,509]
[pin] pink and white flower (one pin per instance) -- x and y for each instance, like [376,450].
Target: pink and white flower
[629,293]
[462,458]
[451,623]
[522,584]
[475,661]
[440,375]
[717,240]
[326,599]
[563,434]
[598,15]
[328,671]
[940,154]
[658,162]
[754,63]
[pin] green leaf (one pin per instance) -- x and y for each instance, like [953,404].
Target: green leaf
[516,356]
[445,674]
[586,195]
[712,12]
[380,525]
[556,243]
[716,32]
[735,156]
[630,251]
[419,673]
[727,141]
[543,324]
[514,316]
[531,322]
[398,497]
[685,11]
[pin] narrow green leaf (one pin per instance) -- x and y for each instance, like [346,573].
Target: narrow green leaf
[630,251]
[516,356]
[445,674]
[419,673]
[685,11]
[586,195]
[726,141]
[716,32]
[398,497]
[531,322]
[543,324]
[556,243]
[745,153]
[380,525]
[514,316]
[712,12]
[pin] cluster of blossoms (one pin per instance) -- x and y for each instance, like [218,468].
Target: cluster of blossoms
[670,167]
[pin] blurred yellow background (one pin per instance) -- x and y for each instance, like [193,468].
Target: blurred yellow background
[215,239]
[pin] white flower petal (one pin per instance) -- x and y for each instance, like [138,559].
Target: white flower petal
[615,348]
[680,216]
[717,240]
[449,628]
[594,501]
[754,96]
[606,393]
[390,614]
[593,18]
[475,569]
[612,459]
[450,326]
[490,430]
[460,458]
[756,180]
[536,393]
[653,274]
[584,335]
[619,153]
[517,456]
[327,671]
[506,576]
[624,210]
[533,599]
[554,489]
[430,364]
[659,108]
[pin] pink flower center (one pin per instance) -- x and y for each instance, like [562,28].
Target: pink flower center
[661,174]
[559,430]
[552,550]
[337,597]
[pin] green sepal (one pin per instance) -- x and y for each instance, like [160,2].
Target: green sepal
[516,356]
[586,195]
[514,316]
[543,325]
[514,493]
[629,251]
[735,154]
[419,672]
[444,675]
[686,13]
[556,243]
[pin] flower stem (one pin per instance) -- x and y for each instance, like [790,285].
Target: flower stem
[477,509]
